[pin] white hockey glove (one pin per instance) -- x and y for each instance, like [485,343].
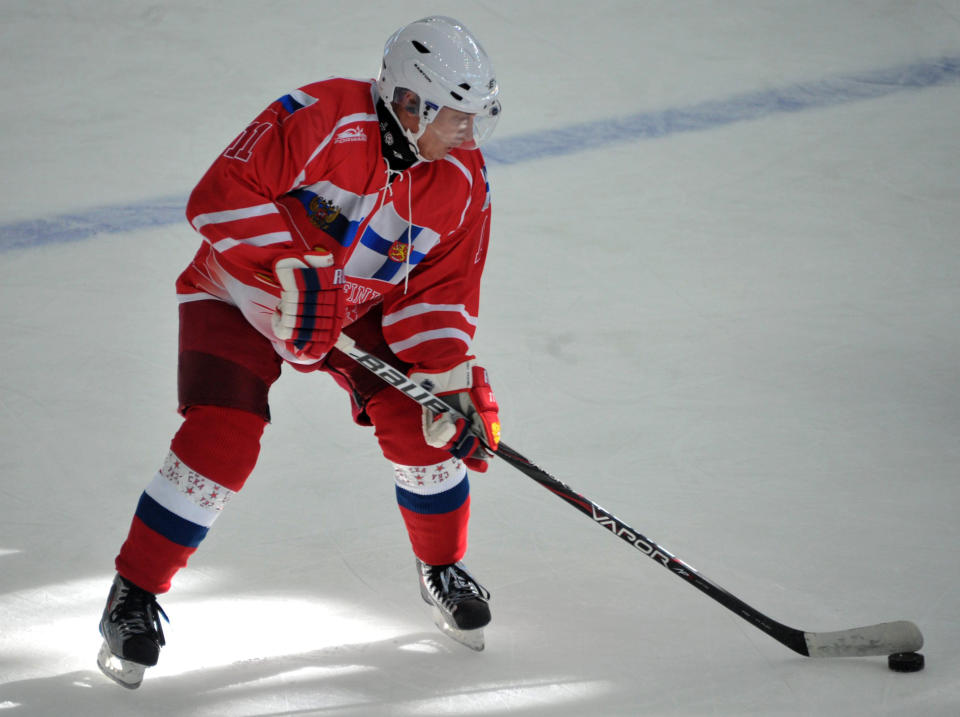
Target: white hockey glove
[312,304]
[469,388]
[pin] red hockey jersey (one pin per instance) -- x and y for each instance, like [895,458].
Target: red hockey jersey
[308,172]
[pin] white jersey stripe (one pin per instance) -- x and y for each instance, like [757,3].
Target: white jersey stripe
[232,215]
[302,97]
[425,308]
[199,296]
[432,335]
[228,243]
[459,165]
[224,244]
[349,119]
[466,173]
[267,239]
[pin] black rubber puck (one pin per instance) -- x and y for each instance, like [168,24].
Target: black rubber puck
[905,662]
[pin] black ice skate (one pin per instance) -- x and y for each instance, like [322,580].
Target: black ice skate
[132,635]
[459,602]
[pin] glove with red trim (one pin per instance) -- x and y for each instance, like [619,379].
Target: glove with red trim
[312,304]
[467,388]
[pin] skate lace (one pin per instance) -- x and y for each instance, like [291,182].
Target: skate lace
[453,585]
[137,612]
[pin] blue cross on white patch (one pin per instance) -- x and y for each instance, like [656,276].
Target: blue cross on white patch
[385,247]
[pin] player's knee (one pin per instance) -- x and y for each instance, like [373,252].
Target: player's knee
[219,443]
[399,429]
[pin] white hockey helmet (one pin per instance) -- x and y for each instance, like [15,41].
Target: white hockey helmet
[439,60]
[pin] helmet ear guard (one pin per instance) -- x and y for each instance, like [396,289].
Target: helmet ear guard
[441,62]
[407,100]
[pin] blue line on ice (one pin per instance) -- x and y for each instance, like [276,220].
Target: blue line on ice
[827,92]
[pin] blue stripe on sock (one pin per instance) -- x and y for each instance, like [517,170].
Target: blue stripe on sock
[445,502]
[170,525]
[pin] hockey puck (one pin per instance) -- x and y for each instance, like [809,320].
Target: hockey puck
[905,662]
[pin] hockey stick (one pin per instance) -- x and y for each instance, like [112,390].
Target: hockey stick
[881,639]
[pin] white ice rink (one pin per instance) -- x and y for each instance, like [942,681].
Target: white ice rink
[723,301]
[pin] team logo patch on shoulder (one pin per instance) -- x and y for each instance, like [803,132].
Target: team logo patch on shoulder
[351,134]
[398,250]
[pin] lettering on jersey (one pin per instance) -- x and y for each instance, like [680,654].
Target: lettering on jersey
[242,147]
[359,294]
[351,134]
[399,250]
[322,213]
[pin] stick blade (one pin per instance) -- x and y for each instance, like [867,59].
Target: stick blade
[885,638]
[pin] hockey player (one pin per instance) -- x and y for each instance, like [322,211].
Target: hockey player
[358,206]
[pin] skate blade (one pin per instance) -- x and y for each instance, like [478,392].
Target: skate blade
[468,638]
[123,672]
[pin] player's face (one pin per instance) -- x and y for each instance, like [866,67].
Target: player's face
[450,129]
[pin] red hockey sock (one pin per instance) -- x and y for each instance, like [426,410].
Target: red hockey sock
[211,457]
[437,538]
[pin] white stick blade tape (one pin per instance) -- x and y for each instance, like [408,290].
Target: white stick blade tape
[883,639]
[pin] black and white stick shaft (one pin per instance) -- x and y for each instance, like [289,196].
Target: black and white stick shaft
[881,639]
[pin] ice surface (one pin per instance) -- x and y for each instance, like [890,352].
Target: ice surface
[722,302]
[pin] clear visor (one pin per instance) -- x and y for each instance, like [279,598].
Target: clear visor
[467,131]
